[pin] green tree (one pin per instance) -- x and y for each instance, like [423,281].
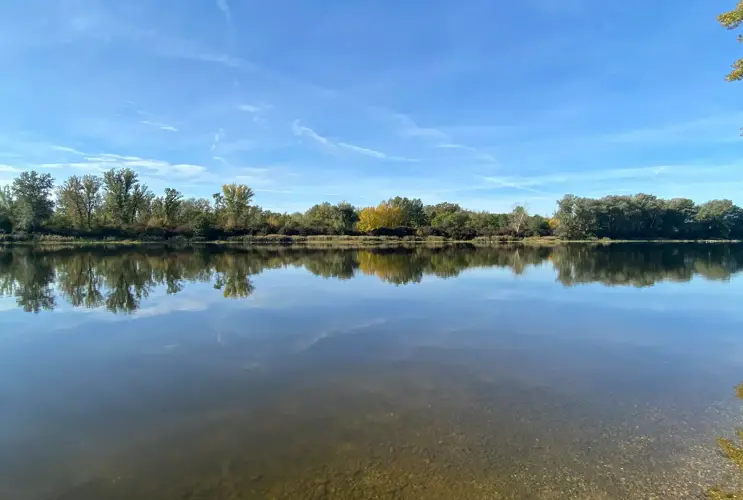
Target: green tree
[455,224]
[79,199]
[489,224]
[332,219]
[680,216]
[519,219]
[432,211]
[172,202]
[413,213]
[718,218]
[733,20]
[197,213]
[33,204]
[537,226]
[125,199]
[348,216]
[576,218]
[233,204]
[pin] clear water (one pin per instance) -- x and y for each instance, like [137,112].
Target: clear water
[572,372]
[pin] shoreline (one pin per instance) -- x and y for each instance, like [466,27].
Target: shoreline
[349,242]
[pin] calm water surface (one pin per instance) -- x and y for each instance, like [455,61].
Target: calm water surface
[502,373]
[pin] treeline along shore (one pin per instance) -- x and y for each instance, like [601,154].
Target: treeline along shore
[117,206]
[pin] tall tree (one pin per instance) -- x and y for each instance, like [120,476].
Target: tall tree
[518,219]
[124,197]
[79,199]
[34,206]
[575,218]
[733,20]
[413,213]
[235,201]
[172,202]
[348,216]
[719,218]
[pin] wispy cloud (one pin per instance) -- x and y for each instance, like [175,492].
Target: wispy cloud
[222,160]
[303,131]
[217,137]
[8,168]
[719,130]
[253,108]
[480,155]
[715,128]
[65,149]
[107,161]
[256,110]
[363,151]
[660,172]
[161,126]
[224,7]
[407,127]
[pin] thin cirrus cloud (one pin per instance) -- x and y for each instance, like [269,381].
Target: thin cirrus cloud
[106,161]
[224,7]
[217,138]
[161,126]
[723,181]
[253,108]
[476,127]
[406,127]
[332,145]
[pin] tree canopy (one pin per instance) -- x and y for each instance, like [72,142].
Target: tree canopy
[117,204]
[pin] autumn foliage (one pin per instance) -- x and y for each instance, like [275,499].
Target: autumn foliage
[383,215]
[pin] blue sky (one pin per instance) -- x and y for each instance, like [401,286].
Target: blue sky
[484,103]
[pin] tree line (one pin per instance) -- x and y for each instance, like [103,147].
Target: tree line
[118,205]
[119,280]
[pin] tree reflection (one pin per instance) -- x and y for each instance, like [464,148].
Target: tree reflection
[233,275]
[633,265]
[394,267]
[121,279]
[79,282]
[29,277]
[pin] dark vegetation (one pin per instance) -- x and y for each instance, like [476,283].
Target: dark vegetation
[118,279]
[117,206]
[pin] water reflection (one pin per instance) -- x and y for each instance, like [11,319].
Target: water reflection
[390,378]
[120,279]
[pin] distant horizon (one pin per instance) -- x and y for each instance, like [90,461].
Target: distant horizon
[484,105]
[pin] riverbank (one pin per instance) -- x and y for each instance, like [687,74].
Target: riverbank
[323,241]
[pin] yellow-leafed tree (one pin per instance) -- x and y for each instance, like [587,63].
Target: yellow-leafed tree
[733,20]
[383,215]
